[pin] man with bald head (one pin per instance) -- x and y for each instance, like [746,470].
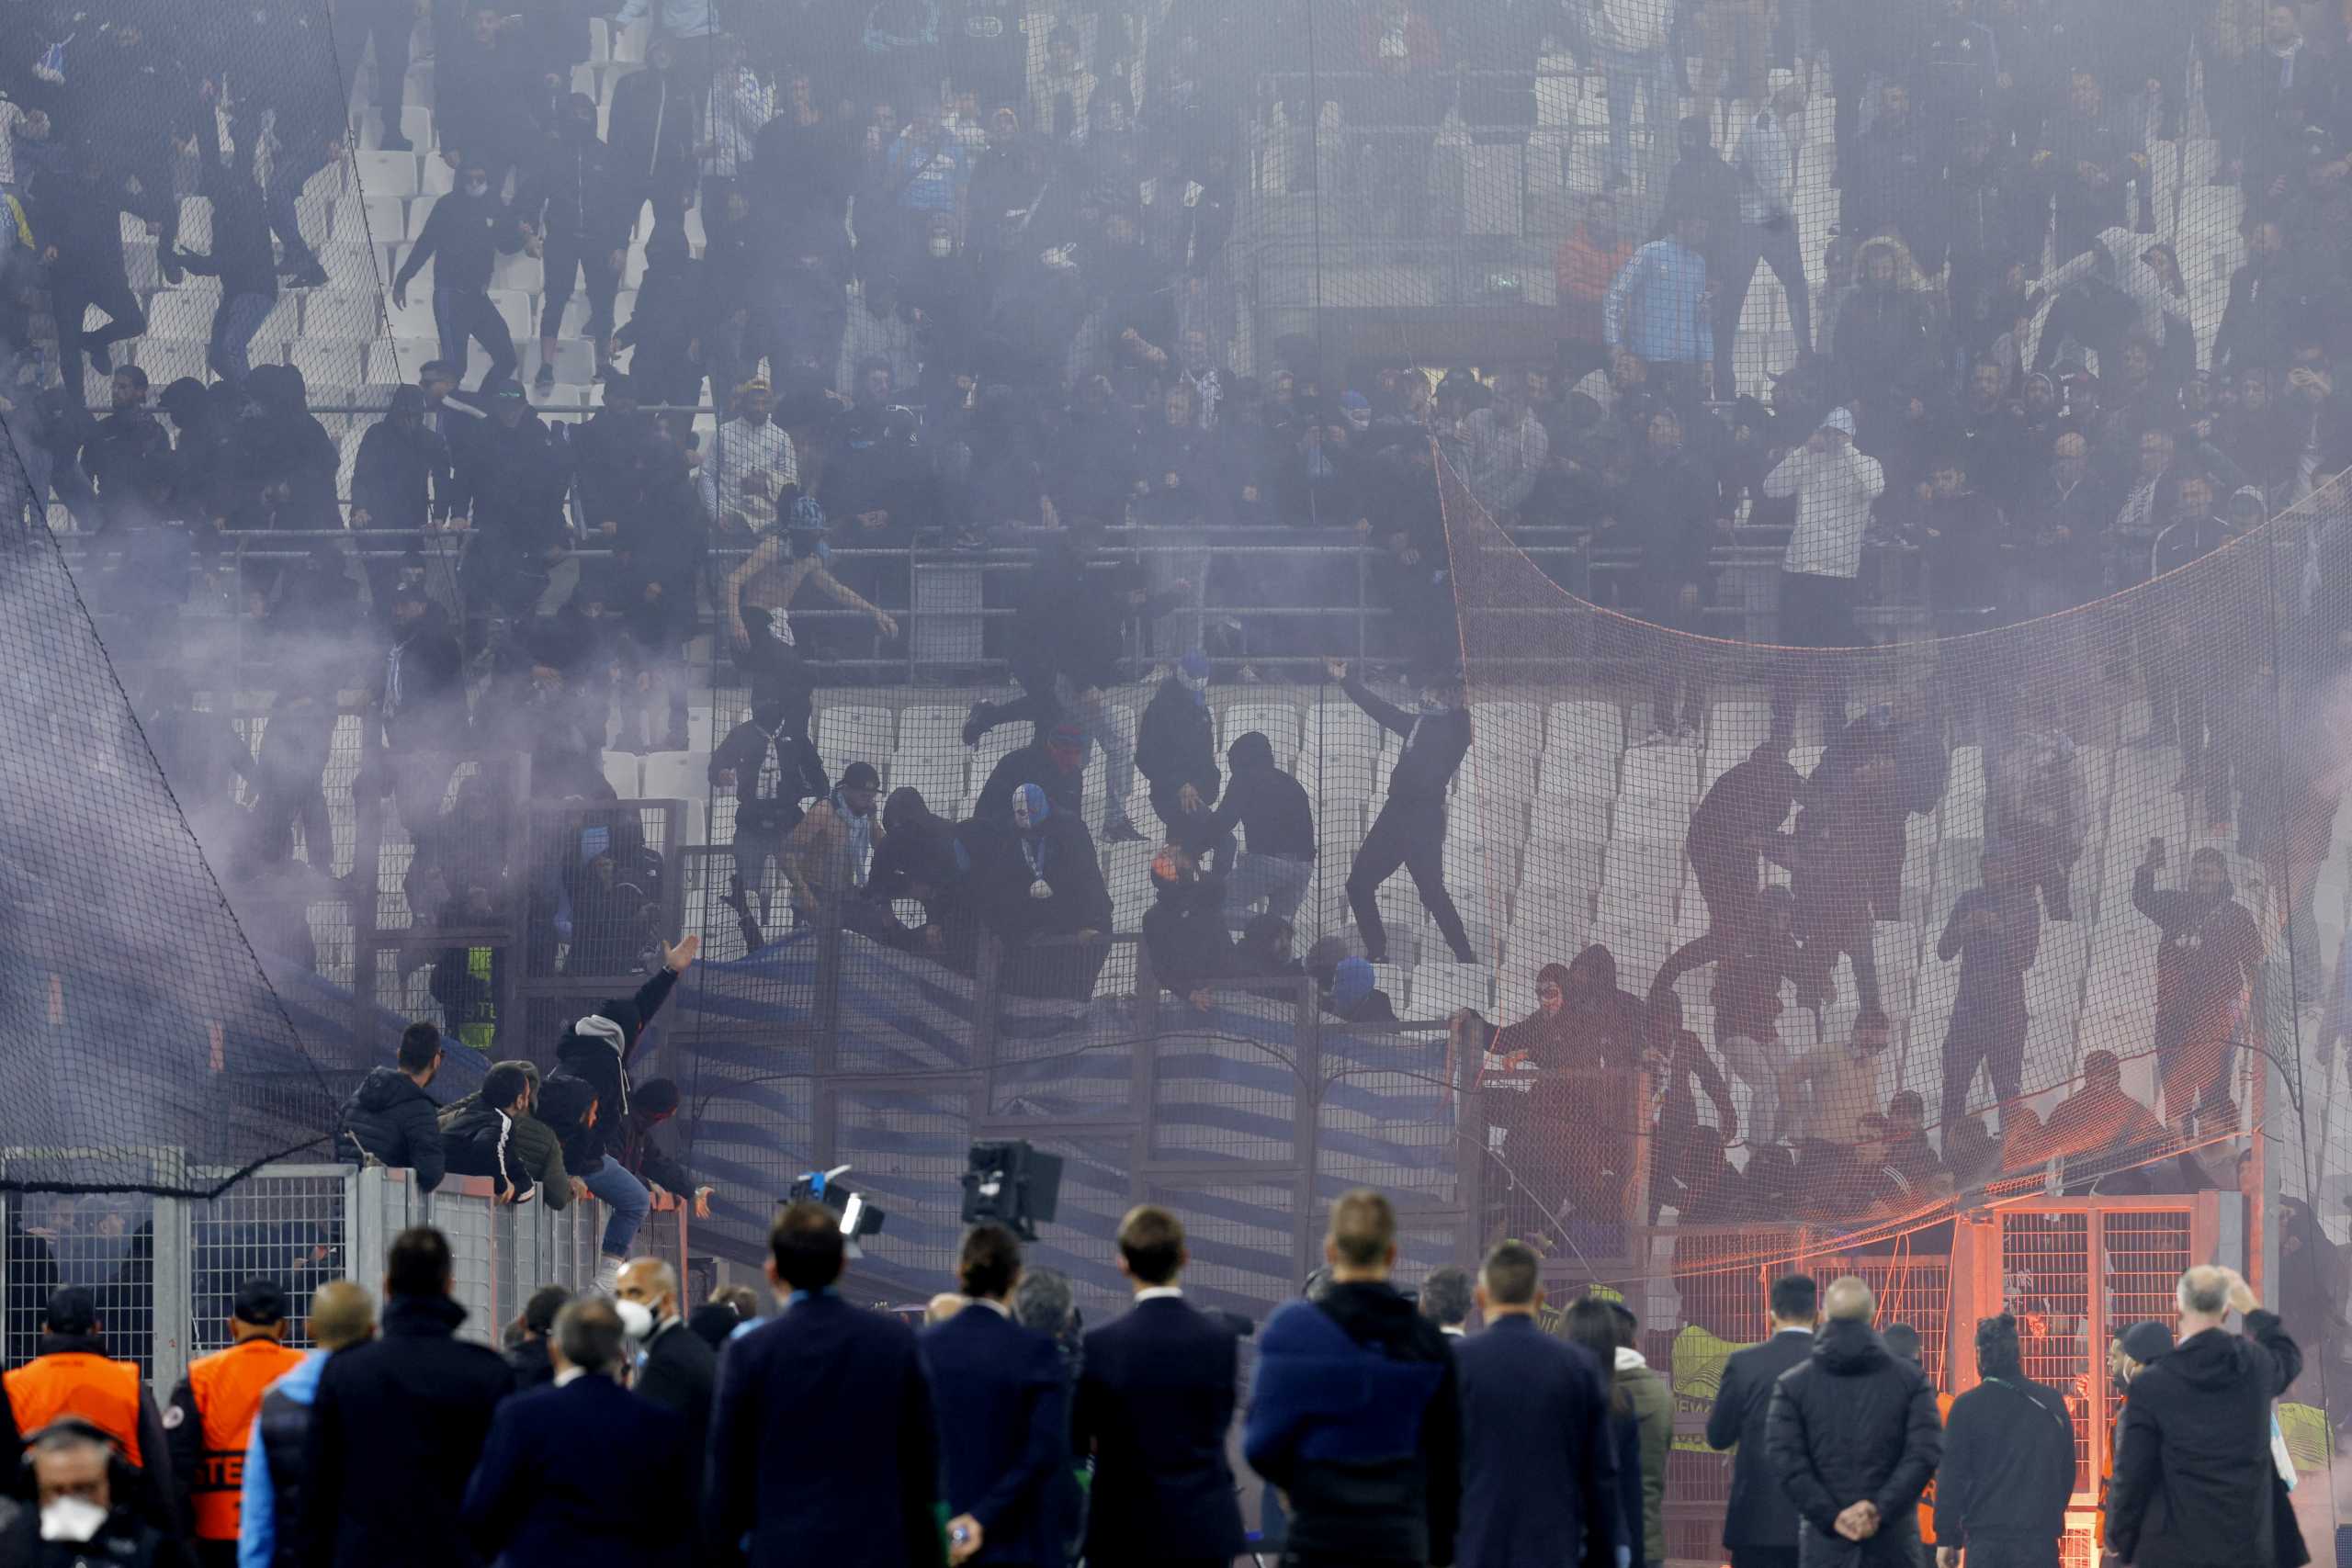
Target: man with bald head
[1854,1437]
[2195,1485]
[676,1369]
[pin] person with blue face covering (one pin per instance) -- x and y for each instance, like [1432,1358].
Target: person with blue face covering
[1039,885]
[1410,830]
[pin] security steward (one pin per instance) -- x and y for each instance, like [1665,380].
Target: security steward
[211,1415]
[71,1374]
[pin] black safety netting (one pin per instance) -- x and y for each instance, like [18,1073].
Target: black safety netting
[1867,465]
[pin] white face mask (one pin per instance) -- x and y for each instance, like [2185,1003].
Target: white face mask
[71,1518]
[942,245]
[637,1319]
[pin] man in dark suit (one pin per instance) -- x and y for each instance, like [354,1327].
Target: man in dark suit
[679,1370]
[1759,1522]
[821,1443]
[397,1425]
[582,1473]
[1004,1414]
[1539,1473]
[1155,1402]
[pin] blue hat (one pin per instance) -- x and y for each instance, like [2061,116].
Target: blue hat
[1193,665]
[1355,400]
[1351,982]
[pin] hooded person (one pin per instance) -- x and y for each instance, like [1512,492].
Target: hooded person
[1176,750]
[2207,954]
[915,859]
[1266,952]
[2129,282]
[1355,993]
[1055,763]
[586,1101]
[1183,931]
[1542,1039]
[1038,879]
[1277,824]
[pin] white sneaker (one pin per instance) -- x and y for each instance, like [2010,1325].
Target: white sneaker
[609,1275]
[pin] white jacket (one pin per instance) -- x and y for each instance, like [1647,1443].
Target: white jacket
[1834,492]
[1768,160]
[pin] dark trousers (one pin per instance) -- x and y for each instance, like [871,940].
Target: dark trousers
[462,314]
[1815,613]
[2041,851]
[388,24]
[566,258]
[286,184]
[1412,836]
[1994,1038]
[1763,1557]
[72,292]
[2002,1551]
[1778,249]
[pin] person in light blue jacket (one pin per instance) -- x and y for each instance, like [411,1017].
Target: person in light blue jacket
[342,1314]
[1658,306]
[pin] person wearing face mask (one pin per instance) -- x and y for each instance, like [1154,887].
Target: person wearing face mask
[567,208]
[462,236]
[1410,830]
[2208,952]
[584,1473]
[1176,750]
[1183,931]
[1040,888]
[675,1369]
[76,1518]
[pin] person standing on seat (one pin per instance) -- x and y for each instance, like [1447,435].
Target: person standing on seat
[1996,933]
[1759,1522]
[1410,830]
[1539,1467]
[463,236]
[72,1375]
[211,1418]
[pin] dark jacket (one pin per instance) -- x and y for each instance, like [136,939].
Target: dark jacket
[2193,1472]
[2206,960]
[1033,763]
[1185,937]
[800,775]
[1269,805]
[395,1431]
[533,1367]
[1435,747]
[1153,1408]
[1539,1471]
[1854,1423]
[2008,1469]
[480,1140]
[1003,1413]
[1176,744]
[397,475]
[594,1060]
[1001,878]
[1376,1478]
[531,1149]
[680,1373]
[1759,1512]
[588,1476]
[463,236]
[389,1117]
[814,1465]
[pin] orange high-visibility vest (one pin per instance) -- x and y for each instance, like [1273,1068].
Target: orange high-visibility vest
[96,1388]
[227,1387]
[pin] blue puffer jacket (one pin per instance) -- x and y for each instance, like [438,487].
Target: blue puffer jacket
[1655,308]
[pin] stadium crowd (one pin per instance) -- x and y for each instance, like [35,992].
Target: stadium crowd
[959,282]
[628,1427]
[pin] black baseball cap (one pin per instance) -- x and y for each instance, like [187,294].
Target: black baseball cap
[261,1303]
[2145,1342]
[861,776]
[72,1310]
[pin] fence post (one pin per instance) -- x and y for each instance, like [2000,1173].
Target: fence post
[1470,1149]
[1306,1121]
[172,1285]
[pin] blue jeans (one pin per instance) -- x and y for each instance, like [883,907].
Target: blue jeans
[1622,74]
[234,321]
[459,314]
[1281,883]
[630,1202]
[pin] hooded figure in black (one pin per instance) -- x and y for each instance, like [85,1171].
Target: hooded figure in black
[2209,950]
[595,1052]
[1410,830]
[1853,1436]
[1176,750]
[402,469]
[915,859]
[1735,829]
[1036,878]
[1183,931]
[1277,823]
[2008,1467]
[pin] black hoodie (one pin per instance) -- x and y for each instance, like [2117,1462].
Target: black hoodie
[1177,744]
[1184,935]
[1267,804]
[2193,1472]
[2009,1470]
[594,1061]
[1855,1423]
[390,1117]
